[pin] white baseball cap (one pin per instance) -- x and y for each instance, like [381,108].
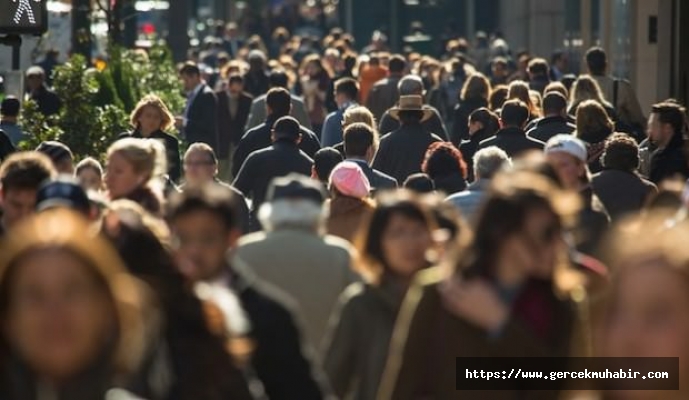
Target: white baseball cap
[565,143]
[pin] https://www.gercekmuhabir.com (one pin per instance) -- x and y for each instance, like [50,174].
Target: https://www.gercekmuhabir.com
[553,373]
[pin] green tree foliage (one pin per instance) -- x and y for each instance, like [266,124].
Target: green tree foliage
[96,104]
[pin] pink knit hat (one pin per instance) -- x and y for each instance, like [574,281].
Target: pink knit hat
[350,180]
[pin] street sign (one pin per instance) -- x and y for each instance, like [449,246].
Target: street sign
[23,16]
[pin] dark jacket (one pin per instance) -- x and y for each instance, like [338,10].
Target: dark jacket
[279,359]
[202,119]
[592,224]
[260,137]
[48,101]
[402,151]
[545,128]
[460,127]
[469,147]
[539,83]
[512,141]
[378,180]
[670,161]
[383,95]
[262,166]
[6,147]
[428,338]
[356,348]
[231,130]
[434,124]
[621,192]
[450,184]
[174,168]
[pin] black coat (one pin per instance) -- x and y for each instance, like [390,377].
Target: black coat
[174,169]
[512,141]
[469,147]
[202,119]
[279,359]
[256,83]
[260,137]
[231,130]
[545,128]
[670,161]
[6,147]
[402,151]
[378,180]
[460,127]
[621,192]
[433,125]
[48,101]
[450,184]
[262,166]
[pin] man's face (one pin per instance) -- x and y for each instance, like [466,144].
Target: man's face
[658,133]
[201,242]
[189,81]
[34,81]
[236,88]
[17,204]
[499,70]
[198,167]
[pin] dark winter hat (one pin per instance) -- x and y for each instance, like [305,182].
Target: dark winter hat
[64,191]
[55,150]
[296,186]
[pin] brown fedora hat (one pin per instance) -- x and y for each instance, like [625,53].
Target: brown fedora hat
[411,103]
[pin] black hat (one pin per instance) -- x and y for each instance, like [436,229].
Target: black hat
[64,191]
[287,127]
[55,150]
[296,186]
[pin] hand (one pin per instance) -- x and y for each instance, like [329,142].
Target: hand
[179,122]
[476,301]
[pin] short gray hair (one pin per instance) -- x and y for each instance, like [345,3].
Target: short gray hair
[410,85]
[488,161]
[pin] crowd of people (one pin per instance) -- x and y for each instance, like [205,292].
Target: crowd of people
[339,224]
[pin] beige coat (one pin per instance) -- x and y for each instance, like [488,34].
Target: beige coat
[312,269]
[627,107]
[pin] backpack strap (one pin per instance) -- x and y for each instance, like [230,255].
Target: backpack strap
[615,89]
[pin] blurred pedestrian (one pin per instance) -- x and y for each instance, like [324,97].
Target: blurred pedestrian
[21,175]
[350,204]
[311,267]
[135,170]
[445,165]
[203,222]
[393,247]
[151,119]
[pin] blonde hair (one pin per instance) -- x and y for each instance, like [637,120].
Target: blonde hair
[151,100]
[586,88]
[358,114]
[146,156]
[520,90]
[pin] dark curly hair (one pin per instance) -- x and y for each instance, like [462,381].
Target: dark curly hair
[621,153]
[443,159]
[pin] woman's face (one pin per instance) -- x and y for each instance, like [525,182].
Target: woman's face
[534,249]
[150,120]
[648,316]
[569,169]
[120,176]
[59,317]
[90,179]
[405,243]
